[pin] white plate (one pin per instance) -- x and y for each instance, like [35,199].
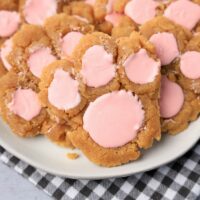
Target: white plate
[41,153]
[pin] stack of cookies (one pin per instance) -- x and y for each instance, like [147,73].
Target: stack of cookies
[104,76]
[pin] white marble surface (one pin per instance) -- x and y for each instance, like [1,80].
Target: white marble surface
[15,187]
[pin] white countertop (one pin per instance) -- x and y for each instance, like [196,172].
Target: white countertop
[15,187]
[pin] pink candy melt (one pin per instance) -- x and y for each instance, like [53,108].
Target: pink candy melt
[97,67]
[39,59]
[90,2]
[166,47]
[172,98]
[63,92]
[113,18]
[25,103]
[37,11]
[114,119]
[184,12]
[9,23]
[109,6]
[141,11]
[190,64]
[5,51]
[140,68]
[69,42]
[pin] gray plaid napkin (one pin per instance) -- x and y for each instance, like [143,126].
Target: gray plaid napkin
[179,180]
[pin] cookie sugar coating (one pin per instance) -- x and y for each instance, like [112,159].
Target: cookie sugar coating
[96,53]
[59,91]
[27,122]
[129,50]
[61,28]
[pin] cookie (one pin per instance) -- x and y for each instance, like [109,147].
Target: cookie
[95,60]
[80,9]
[20,107]
[139,67]
[168,38]
[112,134]
[31,52]
[178,106]
[183,12]
[10,19]
[186,67]
[36,12]
[59,90]
[57,133]
[66,32]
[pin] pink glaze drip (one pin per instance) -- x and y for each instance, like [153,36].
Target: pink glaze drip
[190,64]
[113,18]
[114,119]
[141,11]
[69,42]
[9,23]
[166,47]
[39,59]
[37,11]
[63,92]
[97,67]
[25,103]
[5,51]
[140,68]
[171,98]
[184,12]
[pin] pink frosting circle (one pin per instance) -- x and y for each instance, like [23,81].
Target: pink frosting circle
[190,64]
[37,11]
[171,98]
[25,103]
[63,92]
[166,47]
[5,51]
[184,12]
[140,68]
[114,119]
[9,23]
[141,11]
[97,67]
[39,59]
[69,42]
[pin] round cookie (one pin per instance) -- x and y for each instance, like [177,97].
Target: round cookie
[36,12]
[66,32]
[112,134]
[183,12]
[10,19]
[139,67]
[32,51]
[95,60]
[80,9]
[168,38]
[20,106]
[178,106]
[186,68]
[59,90]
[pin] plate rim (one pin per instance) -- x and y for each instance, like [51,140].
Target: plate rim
[78,177]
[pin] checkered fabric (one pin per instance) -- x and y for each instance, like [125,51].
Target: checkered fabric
[179,180]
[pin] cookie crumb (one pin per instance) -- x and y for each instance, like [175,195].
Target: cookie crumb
[72,156]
